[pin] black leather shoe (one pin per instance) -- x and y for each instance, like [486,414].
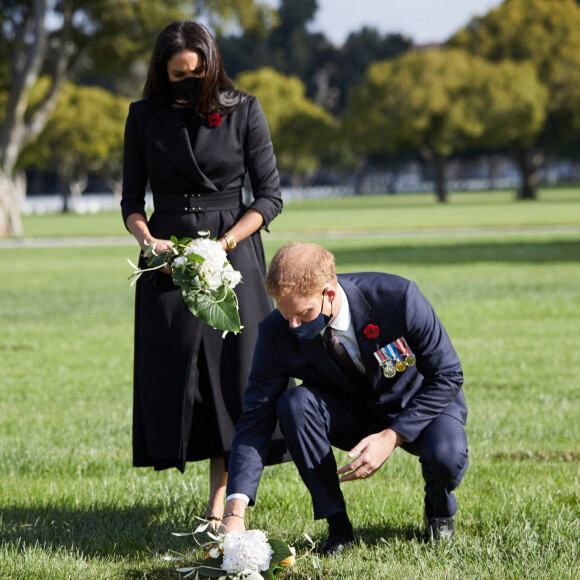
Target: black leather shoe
[335,546]
[437,529]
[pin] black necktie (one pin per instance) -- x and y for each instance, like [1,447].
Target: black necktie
[340,356]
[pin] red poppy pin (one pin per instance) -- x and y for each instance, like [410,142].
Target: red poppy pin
[371,331]
[214,119]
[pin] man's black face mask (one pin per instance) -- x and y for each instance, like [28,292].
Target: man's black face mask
[309,330]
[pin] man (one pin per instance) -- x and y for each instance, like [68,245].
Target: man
[369,402]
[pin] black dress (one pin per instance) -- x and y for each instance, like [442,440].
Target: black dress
[188,380]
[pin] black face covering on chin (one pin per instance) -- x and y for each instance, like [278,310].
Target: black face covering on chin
[309,330]
[188,89]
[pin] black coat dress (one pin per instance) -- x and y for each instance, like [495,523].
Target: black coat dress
[188,380]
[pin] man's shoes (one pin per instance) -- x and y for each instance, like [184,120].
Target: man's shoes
[335,545]
[437,529]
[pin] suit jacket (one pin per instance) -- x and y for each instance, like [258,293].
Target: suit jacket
[409,401]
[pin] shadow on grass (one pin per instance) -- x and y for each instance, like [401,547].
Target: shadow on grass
[108,532]
[533,252]
[95,532]
[378,535]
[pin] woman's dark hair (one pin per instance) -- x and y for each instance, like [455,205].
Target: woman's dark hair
[218,89]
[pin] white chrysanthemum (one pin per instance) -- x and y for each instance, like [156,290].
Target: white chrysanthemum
[246,554]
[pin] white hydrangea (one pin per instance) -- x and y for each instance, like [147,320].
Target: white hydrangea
[215,271]
[211,275]
[210,250]
[231,276]
[246,554]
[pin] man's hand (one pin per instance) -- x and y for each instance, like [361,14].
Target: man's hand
[235,521]
[372,452]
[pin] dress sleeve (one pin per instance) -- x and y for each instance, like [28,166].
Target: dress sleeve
[261,164]
[134,169]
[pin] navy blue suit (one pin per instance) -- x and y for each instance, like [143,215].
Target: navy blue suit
[424,404]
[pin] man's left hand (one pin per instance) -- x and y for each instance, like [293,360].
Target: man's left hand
[372,452]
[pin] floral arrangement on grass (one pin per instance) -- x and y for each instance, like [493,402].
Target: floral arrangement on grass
[248,556]
[201,269]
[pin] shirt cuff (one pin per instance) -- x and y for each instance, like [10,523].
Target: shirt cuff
[241,496]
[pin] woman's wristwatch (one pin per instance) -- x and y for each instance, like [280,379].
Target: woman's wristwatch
[230,241]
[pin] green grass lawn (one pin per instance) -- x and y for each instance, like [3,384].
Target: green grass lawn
[72,507]
[368,212]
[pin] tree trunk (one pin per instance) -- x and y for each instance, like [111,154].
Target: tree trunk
[439,163]
[12,195]
[440,166]
[492,161]
[359,175]
[529,162]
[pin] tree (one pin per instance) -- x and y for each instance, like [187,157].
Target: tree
[301,130]
[291,48]
[547,34]
[360,50]
[83,135]
[443,101]
[61,39]
[327,71]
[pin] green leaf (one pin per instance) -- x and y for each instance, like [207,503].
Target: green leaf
[281,552]
[157,260]
[192,257]
[211,568]
[222,315]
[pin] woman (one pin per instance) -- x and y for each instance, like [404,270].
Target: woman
[192,138]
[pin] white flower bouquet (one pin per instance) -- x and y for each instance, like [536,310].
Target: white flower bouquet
[250,556]
[201,269]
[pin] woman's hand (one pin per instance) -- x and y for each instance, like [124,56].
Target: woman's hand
[157,246]
[137,225]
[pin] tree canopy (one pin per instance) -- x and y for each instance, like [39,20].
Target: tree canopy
[443,101]
[545,33]
[83,135]
[300,128]
[62,39]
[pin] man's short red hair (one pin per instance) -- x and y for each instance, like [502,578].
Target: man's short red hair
[301,269]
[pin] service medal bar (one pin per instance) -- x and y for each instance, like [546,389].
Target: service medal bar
[405,351]
[399,363]
[385,363]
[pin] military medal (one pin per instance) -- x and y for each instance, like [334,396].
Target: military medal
[386,363]
[400,364]
[404,349]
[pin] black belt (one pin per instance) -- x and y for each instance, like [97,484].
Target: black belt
[191,202]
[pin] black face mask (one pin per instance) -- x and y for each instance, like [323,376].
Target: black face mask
[309,330]
[188,89]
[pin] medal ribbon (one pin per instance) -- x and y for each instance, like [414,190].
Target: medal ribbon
[393,353]
[409,352]
[380,355]
[402,348]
